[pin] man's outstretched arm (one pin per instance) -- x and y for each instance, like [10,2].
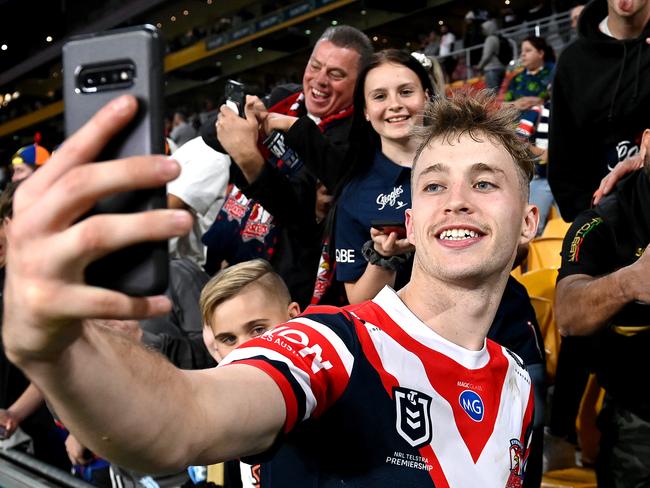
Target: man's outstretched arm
[120,400]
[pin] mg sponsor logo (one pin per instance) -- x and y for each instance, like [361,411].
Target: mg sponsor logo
[471,402]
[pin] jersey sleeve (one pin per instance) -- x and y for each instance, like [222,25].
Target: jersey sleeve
[587,247]
[310,358]
[349,238]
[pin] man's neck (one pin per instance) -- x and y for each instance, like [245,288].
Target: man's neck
[628,27]
[461,314]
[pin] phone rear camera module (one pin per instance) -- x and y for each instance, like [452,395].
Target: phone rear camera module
[116,75]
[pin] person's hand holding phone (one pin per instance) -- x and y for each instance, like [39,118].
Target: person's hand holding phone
[390,242]
[45,294]
[238,136]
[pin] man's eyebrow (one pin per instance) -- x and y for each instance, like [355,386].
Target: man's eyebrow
[486,168]
[434,168]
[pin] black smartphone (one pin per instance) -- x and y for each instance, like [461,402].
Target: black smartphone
[98,68]
[235,94]
[388,226]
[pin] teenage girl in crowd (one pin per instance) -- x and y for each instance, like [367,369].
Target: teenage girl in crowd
[389,100]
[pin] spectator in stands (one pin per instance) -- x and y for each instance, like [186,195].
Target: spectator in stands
[599,110]
[200,189]
[447,45]
[602,292]
[531,86]
[594,129]
[27,160]
[533,128]
[474,33]
[242,302]
[270,212]
[431,44]
[182,130]
[355,368]
[21,403]
[490,63]
[389,98]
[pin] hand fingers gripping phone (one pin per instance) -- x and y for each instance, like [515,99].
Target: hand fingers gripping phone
[98,68]
[388,226]
[235,94]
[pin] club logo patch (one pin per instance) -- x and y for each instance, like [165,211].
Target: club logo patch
[413,416]
[471,402]
[517,464]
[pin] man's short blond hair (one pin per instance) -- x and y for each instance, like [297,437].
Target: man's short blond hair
[232,280]
[478,115]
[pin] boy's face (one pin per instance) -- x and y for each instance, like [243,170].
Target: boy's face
[248,314]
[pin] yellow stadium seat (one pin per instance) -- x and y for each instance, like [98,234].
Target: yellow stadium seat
[516,273]
[588,432]
[570,478]
[540,285]
[216,474]
[556,228]
[540,282]
[544,252]
[550,334]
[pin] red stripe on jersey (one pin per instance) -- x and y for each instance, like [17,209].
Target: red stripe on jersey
[446,375]
[290,401]
[389,381]
[313,354]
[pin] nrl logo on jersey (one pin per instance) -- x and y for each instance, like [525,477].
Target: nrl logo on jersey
[413,416]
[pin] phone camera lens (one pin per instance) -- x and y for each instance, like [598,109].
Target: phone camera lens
[90,81]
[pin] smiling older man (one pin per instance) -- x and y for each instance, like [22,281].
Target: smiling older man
[270,211]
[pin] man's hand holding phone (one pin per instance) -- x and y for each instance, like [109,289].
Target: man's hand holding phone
[45,295]
[238,136]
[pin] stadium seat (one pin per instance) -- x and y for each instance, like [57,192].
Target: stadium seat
[540,282]
[550,334]
[544,253]
[570,478]
[540,285]
[216,474]
[556,228]
[588,432]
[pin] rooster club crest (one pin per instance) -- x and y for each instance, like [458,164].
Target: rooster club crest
[413,416]
[517,464]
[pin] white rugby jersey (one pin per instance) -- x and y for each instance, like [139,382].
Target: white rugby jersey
[375,398]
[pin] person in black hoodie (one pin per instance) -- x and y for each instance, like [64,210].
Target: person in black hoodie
[601,100]
[603,292]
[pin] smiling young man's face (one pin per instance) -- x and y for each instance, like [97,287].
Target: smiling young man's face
[469,210]
[329,78]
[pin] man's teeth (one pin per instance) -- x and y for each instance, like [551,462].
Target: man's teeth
[458,234]
[318,93]
[398,119]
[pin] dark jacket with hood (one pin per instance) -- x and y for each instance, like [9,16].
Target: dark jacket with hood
[600,105]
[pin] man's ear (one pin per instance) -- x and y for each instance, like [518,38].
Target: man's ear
[645,145]
[529,224]
[294,310]
[408,222]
